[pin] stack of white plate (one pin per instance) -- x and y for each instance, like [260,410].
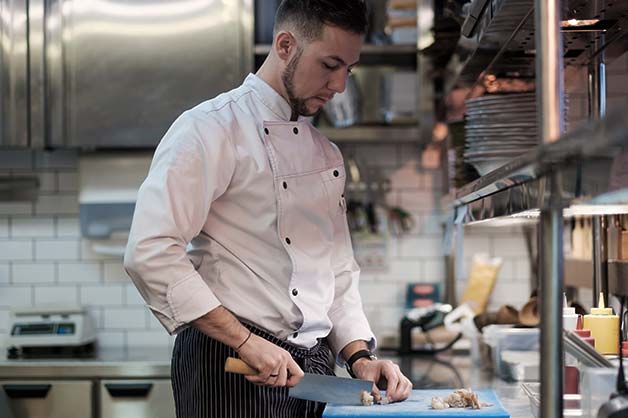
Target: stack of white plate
[498,128]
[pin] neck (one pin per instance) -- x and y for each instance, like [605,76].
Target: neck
[271,74]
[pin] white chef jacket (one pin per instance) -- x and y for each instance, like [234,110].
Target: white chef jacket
[245,209]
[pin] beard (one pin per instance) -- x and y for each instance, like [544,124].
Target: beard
[297,104]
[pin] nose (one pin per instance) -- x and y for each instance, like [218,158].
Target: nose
[338,81]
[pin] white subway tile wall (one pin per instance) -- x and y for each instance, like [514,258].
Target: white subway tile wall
[54,295]
[4,228]
[68,227]
[125,318]
[59,249]
[43,258]
[80,272]
[4,274]
[15,208]
[33,273]
[112,338]
[40,227]
[47,182]
[105,295]
[13,250]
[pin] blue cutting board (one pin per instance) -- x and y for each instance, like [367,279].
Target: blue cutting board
[418,405]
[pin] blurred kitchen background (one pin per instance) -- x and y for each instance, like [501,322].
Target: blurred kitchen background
[64,246]
[80,151]
[89,87]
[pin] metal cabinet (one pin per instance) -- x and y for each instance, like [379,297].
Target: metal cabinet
[136,398]
[13,73]
[48,399]
[116,73]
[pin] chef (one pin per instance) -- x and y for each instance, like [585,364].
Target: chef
[239,242]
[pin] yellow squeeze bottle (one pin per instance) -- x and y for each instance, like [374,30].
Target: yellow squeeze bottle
[604,328]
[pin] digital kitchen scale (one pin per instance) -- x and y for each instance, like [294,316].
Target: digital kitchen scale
[51,332]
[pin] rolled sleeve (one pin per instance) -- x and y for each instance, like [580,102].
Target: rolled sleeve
[193,165]
[347,315]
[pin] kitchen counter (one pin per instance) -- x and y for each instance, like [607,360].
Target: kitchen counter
[108,363]
[441,372]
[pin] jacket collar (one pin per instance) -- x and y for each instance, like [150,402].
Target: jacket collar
[269,96]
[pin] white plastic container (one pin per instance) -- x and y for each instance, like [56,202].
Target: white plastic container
[512,351]
[570,318]
[596,386]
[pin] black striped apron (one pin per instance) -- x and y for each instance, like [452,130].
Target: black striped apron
[202,389]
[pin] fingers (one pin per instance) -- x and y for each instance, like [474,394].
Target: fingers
[294,372]
[389,372]
[387,376]
[274,365]
[282,377]
[377,394]
[399,387]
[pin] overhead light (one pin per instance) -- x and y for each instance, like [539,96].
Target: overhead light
[594,210]
[578,23]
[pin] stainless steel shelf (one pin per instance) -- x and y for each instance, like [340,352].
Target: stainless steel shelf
[586,160]
[264,49]
[379,134]
[503,41]
[394,55]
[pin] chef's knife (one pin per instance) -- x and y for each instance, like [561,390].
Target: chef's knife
[315,387]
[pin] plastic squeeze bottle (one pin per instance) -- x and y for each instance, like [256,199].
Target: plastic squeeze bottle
[604,326]
[585,334]
[570,318]
[570,373]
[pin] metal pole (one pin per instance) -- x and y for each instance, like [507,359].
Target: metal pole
[597,110]
[600,259]
[549,88]
[551,292]
[597,88]
[549,69]
[597,73]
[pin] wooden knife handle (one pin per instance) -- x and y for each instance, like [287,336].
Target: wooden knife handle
[234,365]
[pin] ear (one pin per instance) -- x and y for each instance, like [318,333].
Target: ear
[285,44]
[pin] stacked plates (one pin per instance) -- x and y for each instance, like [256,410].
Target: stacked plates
[498,128]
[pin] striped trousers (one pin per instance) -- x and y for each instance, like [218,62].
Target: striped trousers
[202,389]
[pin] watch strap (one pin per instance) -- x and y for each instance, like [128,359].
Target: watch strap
[355,357]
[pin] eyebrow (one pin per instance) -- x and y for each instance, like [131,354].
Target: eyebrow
[340,60]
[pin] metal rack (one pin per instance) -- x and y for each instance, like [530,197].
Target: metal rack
[501,38]
[401,56]
[373,134]
[521,38]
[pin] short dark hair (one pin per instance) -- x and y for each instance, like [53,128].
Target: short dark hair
[309,16]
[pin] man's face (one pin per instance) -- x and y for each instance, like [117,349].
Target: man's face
[319,69]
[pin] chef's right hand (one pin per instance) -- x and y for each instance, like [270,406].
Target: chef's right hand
[275,366]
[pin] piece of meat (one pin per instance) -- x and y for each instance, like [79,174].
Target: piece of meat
[464,398]
[366,398]
[377,398]
[439,403]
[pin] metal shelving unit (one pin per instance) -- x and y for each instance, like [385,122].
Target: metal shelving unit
[403,56]
[394,55]
[565,174]
[501,38]
[375,134]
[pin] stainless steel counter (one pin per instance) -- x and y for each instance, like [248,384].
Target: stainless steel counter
[444,371]
[109,363]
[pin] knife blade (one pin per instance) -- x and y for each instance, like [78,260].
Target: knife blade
[315,387]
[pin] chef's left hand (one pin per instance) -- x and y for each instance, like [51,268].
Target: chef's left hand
[398,387]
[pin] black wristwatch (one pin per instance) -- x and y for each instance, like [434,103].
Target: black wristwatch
[358,355]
